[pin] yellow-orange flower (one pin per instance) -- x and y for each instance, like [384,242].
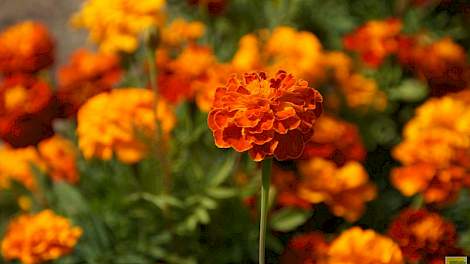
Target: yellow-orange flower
[181,31]
[344,189]
[375,40]
[116,24]
[248,55]
[424,236]
[26,47]
[435,151]
[115,122]
[16,165]
[59,155]
[86,75]
[39,238]
[265,116]
[205,88]
[357,246]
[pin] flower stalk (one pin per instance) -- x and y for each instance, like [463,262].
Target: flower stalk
[265,184]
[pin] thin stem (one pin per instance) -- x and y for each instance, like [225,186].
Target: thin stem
[266,182]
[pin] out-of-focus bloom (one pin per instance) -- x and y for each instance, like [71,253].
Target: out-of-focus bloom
[344,189]
[357,246]
[310,248]
[424,236]
[335,140]
[443,63]
[375,40]
[205,88]
[181,31]
[26,47]
[59,155]
[265,116]
[27,109]
[435,151]
[118,122]
[116,24]
[86,75]
[286,184]
[39,238]
[24,203]
[215,7]
[248,55]
[16,165]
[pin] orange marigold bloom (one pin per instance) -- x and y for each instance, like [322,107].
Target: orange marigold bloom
[15,164]
[26,47]
[87,75]
[424,236]
[181,31]
[60,155]
[115,122]
[26,110]
[286,183]
[39,238]
[435,151]
[375,40]
[335,140]
[344,189]
[310,248]
[205,87]
[357,246]
[265,116]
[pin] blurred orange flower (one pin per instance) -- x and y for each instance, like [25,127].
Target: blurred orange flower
[181,31]
[216,76]
[424,236]
[335,140]
[344,189]
[27,109]
[16,164]
[118,122]
[26,47]
[39,238]
[435,151]
[265,116]
[286,183]
[309,248]
[86,75]
[116,24]
[59,155]
[357,246]
[374,40]
[248,55]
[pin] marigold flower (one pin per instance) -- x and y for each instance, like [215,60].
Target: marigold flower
[424,236]
[181,31]
[248,55]
[205,87]
[286,183]
[115,122]
[15,165]
[38,238]
[86,75]
[375,40]
[116,24]
[310,248]
[435,151]
[59,155]
[265,116]
[26,110]
[344,189]
[26,47]
[335,140]
[357,246]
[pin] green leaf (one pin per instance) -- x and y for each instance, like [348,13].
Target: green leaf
[409,91]
[69,198]
[224,171]
[221,192]
[288,219]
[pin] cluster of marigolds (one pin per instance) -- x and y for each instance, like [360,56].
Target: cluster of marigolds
[260,102]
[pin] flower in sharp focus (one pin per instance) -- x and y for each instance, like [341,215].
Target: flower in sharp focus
[358,246]
[39,238]
[344,189]
[424,236]
[265,116]
[116,24]
[59,155]
[16,165]
[26,47]
[86,75]
[310,248]
[118,122]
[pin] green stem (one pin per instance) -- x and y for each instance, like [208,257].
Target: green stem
[266,182]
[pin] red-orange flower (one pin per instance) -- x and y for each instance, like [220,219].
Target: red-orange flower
[375,40]
[286,183]
[424,236]
[26,110]
[86,75]
[310,248]
[25,47]
[265,116]
[215,7]
[59,155]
